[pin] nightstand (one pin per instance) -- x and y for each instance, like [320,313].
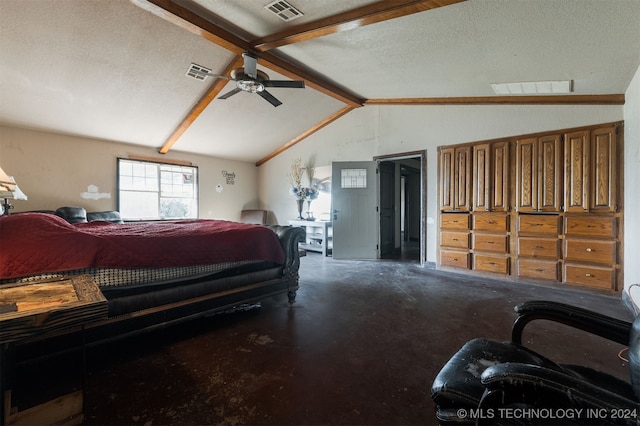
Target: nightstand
[32,311]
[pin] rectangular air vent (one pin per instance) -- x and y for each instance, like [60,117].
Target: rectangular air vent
[198,72]
[283,10]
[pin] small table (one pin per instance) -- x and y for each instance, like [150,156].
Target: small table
[33,310]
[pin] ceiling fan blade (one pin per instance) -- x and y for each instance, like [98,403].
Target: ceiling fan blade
[250,65]
[229,94]
[270,98]
[284,83]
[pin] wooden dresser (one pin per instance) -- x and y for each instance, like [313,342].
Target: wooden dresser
[539,208]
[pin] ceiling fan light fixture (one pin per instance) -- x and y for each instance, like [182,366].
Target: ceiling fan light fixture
[251,86]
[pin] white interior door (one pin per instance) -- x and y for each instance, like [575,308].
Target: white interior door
[354,198]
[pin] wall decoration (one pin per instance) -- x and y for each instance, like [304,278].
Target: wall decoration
[230,177]
[93,193]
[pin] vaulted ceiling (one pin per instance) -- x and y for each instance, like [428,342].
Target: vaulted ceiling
[116,69]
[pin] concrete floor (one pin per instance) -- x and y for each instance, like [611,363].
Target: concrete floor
[361,345]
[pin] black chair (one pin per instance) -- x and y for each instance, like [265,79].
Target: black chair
[489,382]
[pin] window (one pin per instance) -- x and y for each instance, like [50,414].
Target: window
[353,178]
[151,191]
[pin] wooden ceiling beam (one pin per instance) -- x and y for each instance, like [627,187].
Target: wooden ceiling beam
[191,22]
[184,18]
[614,99]
[306,134]
[213,91]
[356,18]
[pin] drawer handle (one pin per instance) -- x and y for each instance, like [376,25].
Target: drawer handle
[454,239]
[539,247]
[540,270]
[588,249]
[492,263]
[455,259]
[588,275]
[489,242]
[491,222]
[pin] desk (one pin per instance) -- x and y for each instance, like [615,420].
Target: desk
[33,310]
[319,235]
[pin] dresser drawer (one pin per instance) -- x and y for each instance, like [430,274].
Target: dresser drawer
[487,263]
[593,251]
[454,221]
[539,247]
[497,222]
[457,259]
[590,276]
[532,268]
[491,242]
[537,224]
[592,226]
[454,239]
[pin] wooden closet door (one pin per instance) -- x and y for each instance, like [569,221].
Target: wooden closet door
[527,175]
[603,182]
[577,170]
[482,178]
[447,157]
[500,176]
[550,188]
[462,174]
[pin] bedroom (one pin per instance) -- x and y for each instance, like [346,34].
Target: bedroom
[36,147]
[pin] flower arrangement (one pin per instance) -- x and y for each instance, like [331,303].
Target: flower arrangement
[295,178]
[300,192]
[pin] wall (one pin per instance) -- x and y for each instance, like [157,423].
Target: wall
[631,177]
[380,130]
[55,170]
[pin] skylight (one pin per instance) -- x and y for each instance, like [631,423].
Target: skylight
[533,87]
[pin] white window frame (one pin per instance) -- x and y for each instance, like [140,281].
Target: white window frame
[149,190]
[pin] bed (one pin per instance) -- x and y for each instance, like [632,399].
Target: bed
[153,273]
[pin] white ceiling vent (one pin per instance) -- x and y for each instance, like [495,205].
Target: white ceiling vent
[198,72]
[283,10]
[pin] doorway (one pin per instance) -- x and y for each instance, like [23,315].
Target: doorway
[402,201]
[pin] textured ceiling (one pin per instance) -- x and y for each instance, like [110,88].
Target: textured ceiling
[111,70]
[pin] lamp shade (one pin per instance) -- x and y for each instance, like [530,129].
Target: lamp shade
[7,183]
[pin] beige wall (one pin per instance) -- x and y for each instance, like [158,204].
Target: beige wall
[380,130]
[631,179]
[55,170]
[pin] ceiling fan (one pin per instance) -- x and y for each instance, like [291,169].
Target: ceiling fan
[250,79]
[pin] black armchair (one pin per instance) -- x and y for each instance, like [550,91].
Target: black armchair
[505,383]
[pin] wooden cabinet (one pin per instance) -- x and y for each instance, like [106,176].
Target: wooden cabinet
[490,242]
[455,178]
[576,171]
[539,174]
[454,240]
[536,207]
[590,170]
[590,250]
[603,186]
[538,254]
[491,177]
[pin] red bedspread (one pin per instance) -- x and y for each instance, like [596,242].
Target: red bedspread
[35,243]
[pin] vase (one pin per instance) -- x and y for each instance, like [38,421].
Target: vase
[309,212]
[300,206]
